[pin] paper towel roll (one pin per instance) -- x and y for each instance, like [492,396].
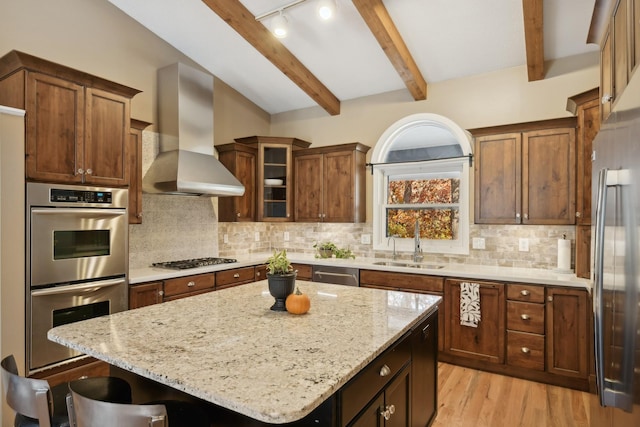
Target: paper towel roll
[564,254]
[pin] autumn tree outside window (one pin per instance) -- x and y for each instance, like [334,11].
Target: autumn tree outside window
[421,173]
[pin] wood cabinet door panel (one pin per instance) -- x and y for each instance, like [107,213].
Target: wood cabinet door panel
[107,130]
[485,342]
[55,129]
[370,417]
[398,396]
[497,179]
[620,48]
[548,183]
[339,173]
[144,294]
[567,327]
[246,174]
[606,75]
[309,187]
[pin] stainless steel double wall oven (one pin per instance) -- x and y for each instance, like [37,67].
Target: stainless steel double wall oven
[77,255]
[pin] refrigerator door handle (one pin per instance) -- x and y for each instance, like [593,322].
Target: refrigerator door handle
[598,281]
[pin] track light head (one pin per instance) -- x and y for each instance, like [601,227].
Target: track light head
[326,9]
[280,26]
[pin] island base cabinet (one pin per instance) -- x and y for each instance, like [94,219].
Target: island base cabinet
[391,407]
[424,371]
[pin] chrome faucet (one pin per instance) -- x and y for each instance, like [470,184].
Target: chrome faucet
[417,250]
[393,236]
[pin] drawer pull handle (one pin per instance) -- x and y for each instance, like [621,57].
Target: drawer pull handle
[191,284]
[384,371]
[525,317]
[524,293]
[526,350]
[236,276]
[388,411]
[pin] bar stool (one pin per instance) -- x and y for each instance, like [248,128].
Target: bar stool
[85,411]
[38,404]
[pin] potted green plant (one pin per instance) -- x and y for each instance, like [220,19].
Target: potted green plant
[281,278]
[325,249]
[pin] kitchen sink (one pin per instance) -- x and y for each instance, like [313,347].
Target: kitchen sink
[408,264]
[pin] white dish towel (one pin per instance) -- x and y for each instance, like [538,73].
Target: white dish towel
[469,304]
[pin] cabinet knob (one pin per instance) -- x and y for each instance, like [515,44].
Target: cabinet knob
[517,214]
[257,274]
[139,215]
[524,293]
[319,215]
[607,98]
[388,411]
[525,317]
[236,276]
[89,171]
[80,171]
[238,214]
[550,298]
[384,371]
[161,293]
[526,216]
[526,350]
[191,284]
[578,214]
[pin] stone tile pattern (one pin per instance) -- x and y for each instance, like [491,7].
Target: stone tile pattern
[180,227]
[228,347]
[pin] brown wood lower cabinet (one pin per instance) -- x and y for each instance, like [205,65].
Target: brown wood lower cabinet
[144,294]
[235,277]
[484,342]
[88,367]
[182,287]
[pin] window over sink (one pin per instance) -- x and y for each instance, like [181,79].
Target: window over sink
[421,173]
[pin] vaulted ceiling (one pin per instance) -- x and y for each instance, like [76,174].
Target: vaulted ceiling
[371,47]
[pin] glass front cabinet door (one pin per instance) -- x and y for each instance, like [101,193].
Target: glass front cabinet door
[274,186]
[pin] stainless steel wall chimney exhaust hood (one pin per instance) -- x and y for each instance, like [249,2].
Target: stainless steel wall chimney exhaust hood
[186,164]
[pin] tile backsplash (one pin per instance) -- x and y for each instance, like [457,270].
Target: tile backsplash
[181,227]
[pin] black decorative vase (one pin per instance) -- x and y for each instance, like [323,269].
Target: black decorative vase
[280,287]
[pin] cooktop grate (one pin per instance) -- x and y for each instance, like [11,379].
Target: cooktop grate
[193,263]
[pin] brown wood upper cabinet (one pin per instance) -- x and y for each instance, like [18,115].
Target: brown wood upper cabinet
[330,183]
[274,177]
[77,125]
[525,174]
[240,159]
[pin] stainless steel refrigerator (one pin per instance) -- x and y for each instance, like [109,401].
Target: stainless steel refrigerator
[616,261]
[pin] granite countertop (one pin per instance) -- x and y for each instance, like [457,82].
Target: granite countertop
[228,347]
[470,271]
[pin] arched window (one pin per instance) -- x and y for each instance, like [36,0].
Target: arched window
[421,175]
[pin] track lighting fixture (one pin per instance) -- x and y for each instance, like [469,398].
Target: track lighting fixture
[280,25]
[326,9]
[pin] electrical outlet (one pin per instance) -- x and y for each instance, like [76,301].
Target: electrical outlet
[286,236]
[225,238]
[523,245]
[256,236]
[365,239]
[478,243]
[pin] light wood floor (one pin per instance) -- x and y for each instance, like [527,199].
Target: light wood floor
[467,397]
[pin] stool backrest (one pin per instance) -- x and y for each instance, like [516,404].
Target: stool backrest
[27,396]
[86,412]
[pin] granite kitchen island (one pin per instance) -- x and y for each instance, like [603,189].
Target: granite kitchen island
[228,348]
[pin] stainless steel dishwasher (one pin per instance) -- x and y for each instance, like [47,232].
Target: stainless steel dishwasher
[337,275]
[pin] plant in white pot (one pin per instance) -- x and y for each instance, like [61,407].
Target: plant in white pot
[281,278]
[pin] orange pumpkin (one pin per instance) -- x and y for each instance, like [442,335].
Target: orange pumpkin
[297,302]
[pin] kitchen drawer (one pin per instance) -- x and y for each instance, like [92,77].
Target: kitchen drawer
[404,281]
[525,317]
[304,271]
[525,293]
[237,276]
[187,294]
[525,350]
[357,393]
[189,284]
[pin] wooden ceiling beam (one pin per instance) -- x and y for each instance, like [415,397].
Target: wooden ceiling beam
[377,17]
[534,38]
[244,23]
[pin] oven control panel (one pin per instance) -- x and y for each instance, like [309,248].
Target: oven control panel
[80,196]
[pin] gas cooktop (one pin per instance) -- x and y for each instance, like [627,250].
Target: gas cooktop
[193,263]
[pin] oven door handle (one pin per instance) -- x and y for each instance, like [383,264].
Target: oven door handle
[83,211]
[88,287]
